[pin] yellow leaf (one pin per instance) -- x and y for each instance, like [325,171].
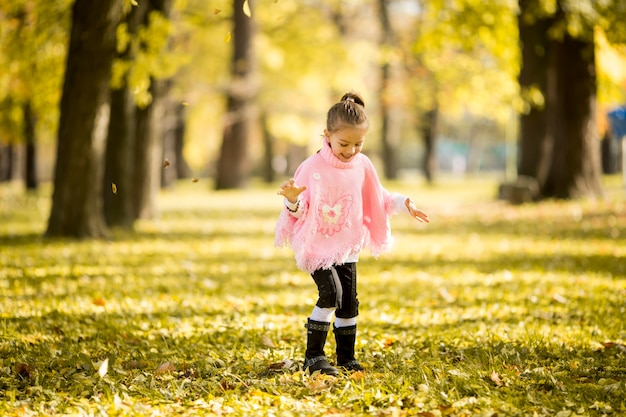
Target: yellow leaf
[227,37]
[267,342]
[495,378]
[166,367]
[114,188]
[99,301]
[246,9]
[194,180]
[217,11]
[104,368]
[134,2]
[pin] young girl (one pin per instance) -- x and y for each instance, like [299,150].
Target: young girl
[335,206]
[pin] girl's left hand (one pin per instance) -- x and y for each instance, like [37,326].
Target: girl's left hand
[415,212]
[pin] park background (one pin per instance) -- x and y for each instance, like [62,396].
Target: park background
[141,148]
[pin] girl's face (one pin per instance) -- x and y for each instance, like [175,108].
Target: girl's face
[347,142]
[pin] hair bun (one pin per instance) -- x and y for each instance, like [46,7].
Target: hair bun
[353,97]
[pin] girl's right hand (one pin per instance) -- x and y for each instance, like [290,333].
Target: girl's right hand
[291,191]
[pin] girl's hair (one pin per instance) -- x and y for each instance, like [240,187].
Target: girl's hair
[350,111]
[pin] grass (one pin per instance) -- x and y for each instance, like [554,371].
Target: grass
[490,310]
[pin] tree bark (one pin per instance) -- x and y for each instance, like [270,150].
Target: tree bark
[118,205]
[148,153]
[429,136]
[30,168]
[77,199]
[559,146]
[535,146]
[388,139]
[233,167]
[575,168]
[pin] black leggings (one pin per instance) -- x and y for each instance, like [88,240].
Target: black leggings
[338,289]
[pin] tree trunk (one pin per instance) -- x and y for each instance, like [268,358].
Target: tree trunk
[575,169]
[268,146]
[429,136]
[233,166]
[6,162]
[119,186]
[77,199]
[559,146]
[182,167]
[148,153]
[388,139]
[534,144]
[30,169]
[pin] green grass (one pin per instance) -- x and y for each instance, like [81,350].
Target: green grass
[490,310]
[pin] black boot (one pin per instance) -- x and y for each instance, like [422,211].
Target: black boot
[346,338]
[314,358]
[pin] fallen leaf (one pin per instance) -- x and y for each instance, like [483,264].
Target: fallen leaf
[194,180]
[104,368]
[267,342]
[495,378]
[24,370]
[358,376]
[320,382]
[165,367]
[618,346]
[99,301]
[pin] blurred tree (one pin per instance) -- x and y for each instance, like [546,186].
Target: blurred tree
[118,173]
[77,198]
[139,112]
[461,58]
[233,164]
[389,134]
[148,152]
[559,140]
[32,36]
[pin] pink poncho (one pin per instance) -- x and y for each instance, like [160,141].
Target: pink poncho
[344,209]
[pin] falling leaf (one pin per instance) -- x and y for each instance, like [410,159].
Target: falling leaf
[165,367]
[227,38]
[114,188]
[99,301]
[246,9]
[166,163]
[217,11]
[104,368]
[134,2]
[194,180]
[184,103]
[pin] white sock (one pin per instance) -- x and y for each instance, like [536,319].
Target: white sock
[339,322]
[322,314]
